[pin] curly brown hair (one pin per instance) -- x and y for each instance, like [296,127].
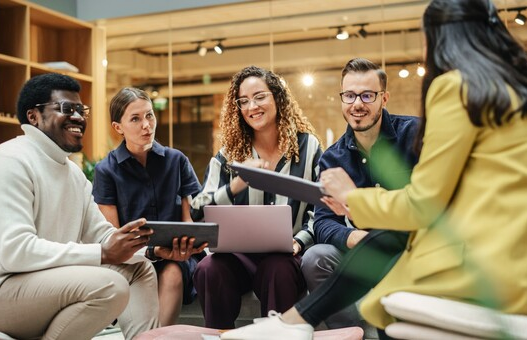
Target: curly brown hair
[237,135]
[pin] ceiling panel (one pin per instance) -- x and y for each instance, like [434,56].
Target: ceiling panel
[297,29]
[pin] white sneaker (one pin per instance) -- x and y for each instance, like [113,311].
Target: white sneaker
[271,327]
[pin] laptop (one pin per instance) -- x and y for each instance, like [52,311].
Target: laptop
[251,228]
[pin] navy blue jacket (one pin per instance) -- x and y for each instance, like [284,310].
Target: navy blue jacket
[389,165]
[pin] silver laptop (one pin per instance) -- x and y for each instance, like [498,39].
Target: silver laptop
[252,228]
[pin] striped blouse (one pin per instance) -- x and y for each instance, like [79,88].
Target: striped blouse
[216,188]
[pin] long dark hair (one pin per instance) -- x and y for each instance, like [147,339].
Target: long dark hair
[467,35]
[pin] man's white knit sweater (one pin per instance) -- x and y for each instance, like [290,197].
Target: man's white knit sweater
[47,214]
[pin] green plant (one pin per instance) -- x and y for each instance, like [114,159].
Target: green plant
[88,167]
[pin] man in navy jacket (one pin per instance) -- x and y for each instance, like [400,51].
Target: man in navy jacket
[377,149]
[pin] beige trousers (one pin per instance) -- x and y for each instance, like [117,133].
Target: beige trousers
[77,302]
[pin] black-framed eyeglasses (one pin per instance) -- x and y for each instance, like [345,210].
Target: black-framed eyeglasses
[69,108]
[367,97]
[258,100]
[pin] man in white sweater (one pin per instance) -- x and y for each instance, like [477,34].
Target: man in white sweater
[61,263]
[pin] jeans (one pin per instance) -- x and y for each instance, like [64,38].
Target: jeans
[361,269]
[318,263]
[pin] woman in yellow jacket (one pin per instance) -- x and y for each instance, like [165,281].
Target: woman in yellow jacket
[466,203]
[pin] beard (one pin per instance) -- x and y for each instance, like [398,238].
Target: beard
[367,125]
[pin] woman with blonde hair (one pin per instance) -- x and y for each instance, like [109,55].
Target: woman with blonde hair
[262,126]
[142,178]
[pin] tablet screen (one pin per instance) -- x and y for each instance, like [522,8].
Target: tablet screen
[164,232]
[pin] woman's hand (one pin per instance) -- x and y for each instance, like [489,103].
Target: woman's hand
[338,208]
[337,184]
[181,250]
[238,184]
[297,248]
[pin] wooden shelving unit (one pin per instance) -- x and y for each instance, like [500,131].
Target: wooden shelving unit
[33,35]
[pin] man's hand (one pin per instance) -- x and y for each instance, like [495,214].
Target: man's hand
[181,250]
[355,237]
[124,242]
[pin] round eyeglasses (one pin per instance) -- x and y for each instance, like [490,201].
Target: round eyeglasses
[367,97]
[69,108]
[258,100]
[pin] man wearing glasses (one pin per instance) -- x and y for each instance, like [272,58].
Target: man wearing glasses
[54,239]
[377,150]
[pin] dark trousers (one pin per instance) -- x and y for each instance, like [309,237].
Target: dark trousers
[361,269]
[222,279]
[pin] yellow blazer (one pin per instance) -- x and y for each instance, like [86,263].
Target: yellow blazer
[466,206]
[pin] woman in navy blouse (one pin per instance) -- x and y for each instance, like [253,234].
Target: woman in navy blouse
[142,178]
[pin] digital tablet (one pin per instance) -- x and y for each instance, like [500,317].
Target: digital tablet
[164,232]
[286,185]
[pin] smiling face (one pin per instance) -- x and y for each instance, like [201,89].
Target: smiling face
[260,114]
[137,125]
[65,131]
[363,116]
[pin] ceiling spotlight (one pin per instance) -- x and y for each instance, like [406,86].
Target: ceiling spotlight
[342,34]
[520,18]
[362,32]
[404,73]
[307,80]
[421,71]
[202,50]
[219,47]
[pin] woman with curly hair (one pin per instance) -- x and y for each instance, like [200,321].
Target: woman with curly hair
[262,126]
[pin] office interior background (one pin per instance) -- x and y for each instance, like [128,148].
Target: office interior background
[184,52]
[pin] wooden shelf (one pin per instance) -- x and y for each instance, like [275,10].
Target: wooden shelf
[31,35]
[9,60]
[37,68]
[9,120]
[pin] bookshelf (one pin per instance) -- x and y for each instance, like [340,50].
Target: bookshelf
[32,36]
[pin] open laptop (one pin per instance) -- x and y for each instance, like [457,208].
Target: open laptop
[251,228]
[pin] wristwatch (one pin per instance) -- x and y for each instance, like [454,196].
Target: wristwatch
[151,255]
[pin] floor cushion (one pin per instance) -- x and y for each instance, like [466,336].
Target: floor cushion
[453,316]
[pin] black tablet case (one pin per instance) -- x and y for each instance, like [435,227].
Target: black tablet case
[164,232]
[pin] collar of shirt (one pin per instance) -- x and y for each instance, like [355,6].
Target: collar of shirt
[122,153]
[46,144]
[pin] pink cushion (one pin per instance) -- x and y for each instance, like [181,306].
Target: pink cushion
[348,333]
[180,332]
[187,332]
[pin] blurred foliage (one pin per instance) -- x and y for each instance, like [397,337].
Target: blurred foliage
[88,167]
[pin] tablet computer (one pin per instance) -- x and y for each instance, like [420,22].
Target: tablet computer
[286,185]
[165,231]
